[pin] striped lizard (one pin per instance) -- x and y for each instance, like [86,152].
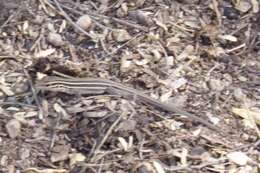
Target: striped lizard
[95,86]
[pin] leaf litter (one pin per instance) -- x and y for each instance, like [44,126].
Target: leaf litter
[201,56]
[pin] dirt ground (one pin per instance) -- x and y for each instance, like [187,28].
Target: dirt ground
[200,56]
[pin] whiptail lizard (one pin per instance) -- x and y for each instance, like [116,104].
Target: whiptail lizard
[95,86]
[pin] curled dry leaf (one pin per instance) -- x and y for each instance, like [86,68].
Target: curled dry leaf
[84,22]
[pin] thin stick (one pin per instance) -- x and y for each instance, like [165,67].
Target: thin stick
[109,131]
[34,93]
[120,21]
[70,20]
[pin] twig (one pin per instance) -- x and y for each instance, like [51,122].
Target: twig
[92,17]
[236,48]
[218,14]
[70,20]
[62,75]
[37,42]
[17,104]
[123,45]
[109,131]
[120,21]
[34,93]
[9,19]
[53,133]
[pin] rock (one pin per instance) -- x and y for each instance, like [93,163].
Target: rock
[13,128]
[84,22]
[127,125]
[55,39]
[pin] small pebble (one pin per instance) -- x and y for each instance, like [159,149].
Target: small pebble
[239,95]
[55,39]
[216,85]
[121,35]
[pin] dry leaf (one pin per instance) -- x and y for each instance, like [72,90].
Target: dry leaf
[176,84]
[243,6]
[60,110]
[238,158]
[76,157]
[165,96]
[246,114]
[170,124]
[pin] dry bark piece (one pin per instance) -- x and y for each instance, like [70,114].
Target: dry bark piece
[60,153]
[13,128]
[84,22]
[55,39]
[142,17]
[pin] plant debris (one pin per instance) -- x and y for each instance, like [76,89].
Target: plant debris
[200,56]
